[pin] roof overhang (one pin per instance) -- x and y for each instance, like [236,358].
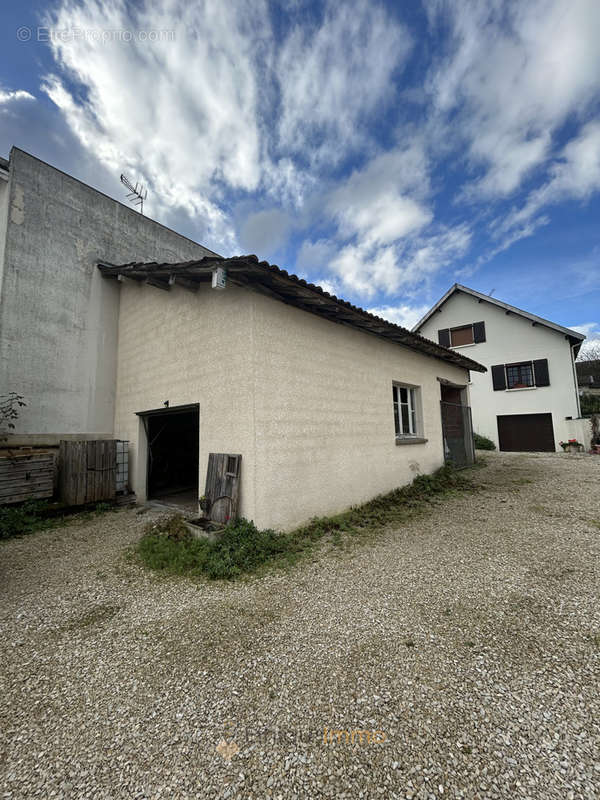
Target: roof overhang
[574,337]
[270,280]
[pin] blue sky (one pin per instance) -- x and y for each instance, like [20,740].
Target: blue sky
[384,151]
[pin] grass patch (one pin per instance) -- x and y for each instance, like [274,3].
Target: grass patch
[39,515]
[242,548]
[25,518]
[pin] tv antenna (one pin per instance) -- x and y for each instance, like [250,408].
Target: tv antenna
[491,293]
[137,194]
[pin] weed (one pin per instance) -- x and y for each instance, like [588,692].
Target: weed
[242,548]
[38,515]
[24,518]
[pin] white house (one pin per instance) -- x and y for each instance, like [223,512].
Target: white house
[528,399]
[113,326]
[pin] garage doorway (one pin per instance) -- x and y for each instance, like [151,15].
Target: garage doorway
[173,447]
[526,433]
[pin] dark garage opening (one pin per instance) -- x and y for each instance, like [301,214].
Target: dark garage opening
[526,433]
[172,437]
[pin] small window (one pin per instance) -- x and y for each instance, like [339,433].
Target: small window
[460,336]
[519,376]
[405,410]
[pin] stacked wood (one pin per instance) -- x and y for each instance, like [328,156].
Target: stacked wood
[26,476]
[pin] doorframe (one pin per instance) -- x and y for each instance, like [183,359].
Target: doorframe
[144,445]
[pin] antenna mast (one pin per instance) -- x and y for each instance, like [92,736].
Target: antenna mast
[136,194]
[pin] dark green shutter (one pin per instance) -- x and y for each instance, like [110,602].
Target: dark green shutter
[498,377]
[540,371]
[478,332]
[444,337]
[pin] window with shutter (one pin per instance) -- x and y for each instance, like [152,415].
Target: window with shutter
[444,337]
[498,377]
[478,332]
[540,370]
[519,376]
[462,335]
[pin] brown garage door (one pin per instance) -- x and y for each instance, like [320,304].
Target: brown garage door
[526,432]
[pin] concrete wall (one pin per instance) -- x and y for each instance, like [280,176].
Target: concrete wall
[307,403]
[3,221]
[58,317]
[510,338]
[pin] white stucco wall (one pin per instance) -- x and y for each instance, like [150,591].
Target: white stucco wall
[307,403]
[58,317]
[511,338]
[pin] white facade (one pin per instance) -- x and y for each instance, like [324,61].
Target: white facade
[512,338]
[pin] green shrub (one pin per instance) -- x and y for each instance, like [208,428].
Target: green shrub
[241,547]
[482,442]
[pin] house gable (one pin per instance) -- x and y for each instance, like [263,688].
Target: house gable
[574,336]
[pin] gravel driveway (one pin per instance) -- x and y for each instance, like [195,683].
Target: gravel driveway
[467,644]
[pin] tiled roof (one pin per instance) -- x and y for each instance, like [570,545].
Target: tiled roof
[288,288]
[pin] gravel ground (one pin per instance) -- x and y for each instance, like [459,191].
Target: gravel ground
[469,640]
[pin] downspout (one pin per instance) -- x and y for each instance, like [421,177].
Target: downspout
[574,368]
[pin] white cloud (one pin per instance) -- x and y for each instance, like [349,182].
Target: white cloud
[516,72]
[315,256]
[183,114]
[383,202]
[367,270]
[264,231]
[334,76]
[575,175]
[404,315]
[327,285]
[9,97]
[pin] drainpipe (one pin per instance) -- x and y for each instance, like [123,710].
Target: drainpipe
[574,368]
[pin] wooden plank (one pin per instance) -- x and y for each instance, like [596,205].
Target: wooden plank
[23,473]
[27,489]
[40,458]
[222,485]
[23,480]
[20,498]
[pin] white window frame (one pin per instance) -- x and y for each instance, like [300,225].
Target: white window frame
[412,405]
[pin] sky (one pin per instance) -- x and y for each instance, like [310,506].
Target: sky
[381,150]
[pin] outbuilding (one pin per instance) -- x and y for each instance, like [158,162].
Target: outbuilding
[326,404]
